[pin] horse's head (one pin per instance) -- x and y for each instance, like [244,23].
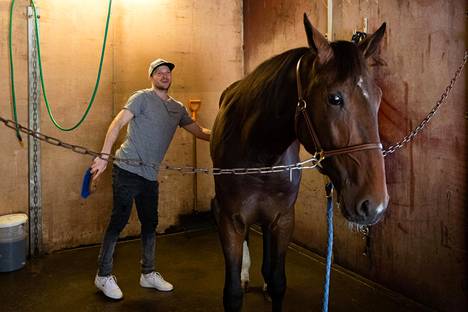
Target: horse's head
[342,102]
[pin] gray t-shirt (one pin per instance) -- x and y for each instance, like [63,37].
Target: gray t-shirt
[150,131]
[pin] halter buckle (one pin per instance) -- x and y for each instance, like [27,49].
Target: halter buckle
[301,105]
[319,156]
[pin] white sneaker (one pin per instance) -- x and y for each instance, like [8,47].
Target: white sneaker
[155,280]
[108,285]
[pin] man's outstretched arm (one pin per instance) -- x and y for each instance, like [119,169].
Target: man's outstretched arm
[99,165]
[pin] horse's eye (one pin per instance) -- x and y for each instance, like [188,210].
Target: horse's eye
[335,99]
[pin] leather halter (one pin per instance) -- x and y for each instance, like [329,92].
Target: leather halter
[319,152]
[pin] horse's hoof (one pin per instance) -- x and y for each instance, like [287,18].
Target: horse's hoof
[245,285]
[266,295]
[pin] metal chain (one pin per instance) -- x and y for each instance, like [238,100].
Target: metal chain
[365,231]
[310,163]
[35,149]
[408,138]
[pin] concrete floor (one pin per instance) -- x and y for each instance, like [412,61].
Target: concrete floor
[193,262]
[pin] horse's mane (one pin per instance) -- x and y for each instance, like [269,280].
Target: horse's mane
[259,95]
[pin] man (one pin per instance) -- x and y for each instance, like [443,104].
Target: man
[153,117]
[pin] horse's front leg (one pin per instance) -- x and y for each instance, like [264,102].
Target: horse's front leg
[266,261]
[232,234]
[280,236]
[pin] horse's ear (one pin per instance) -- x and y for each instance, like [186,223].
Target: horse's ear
[369,45]
[317,41]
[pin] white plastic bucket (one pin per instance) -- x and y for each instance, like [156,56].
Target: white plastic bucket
[12,242]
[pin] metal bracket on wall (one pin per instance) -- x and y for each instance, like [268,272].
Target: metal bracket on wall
[34,155]
[364,27]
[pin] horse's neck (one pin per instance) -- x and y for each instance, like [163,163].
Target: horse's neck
[273,146]
[290,155]
[275,132]
[255,157]
[262,131]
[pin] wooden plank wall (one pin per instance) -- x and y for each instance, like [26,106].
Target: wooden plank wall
[420,248]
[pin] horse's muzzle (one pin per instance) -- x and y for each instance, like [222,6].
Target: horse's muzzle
[365,211]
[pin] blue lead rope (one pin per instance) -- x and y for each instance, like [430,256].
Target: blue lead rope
[326,285]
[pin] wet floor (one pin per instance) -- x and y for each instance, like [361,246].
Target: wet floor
[193,262]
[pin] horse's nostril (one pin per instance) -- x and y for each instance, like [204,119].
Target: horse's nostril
[364,209]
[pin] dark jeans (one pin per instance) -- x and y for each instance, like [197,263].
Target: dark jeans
[126,187]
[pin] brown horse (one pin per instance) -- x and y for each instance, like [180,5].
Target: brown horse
[259,125]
